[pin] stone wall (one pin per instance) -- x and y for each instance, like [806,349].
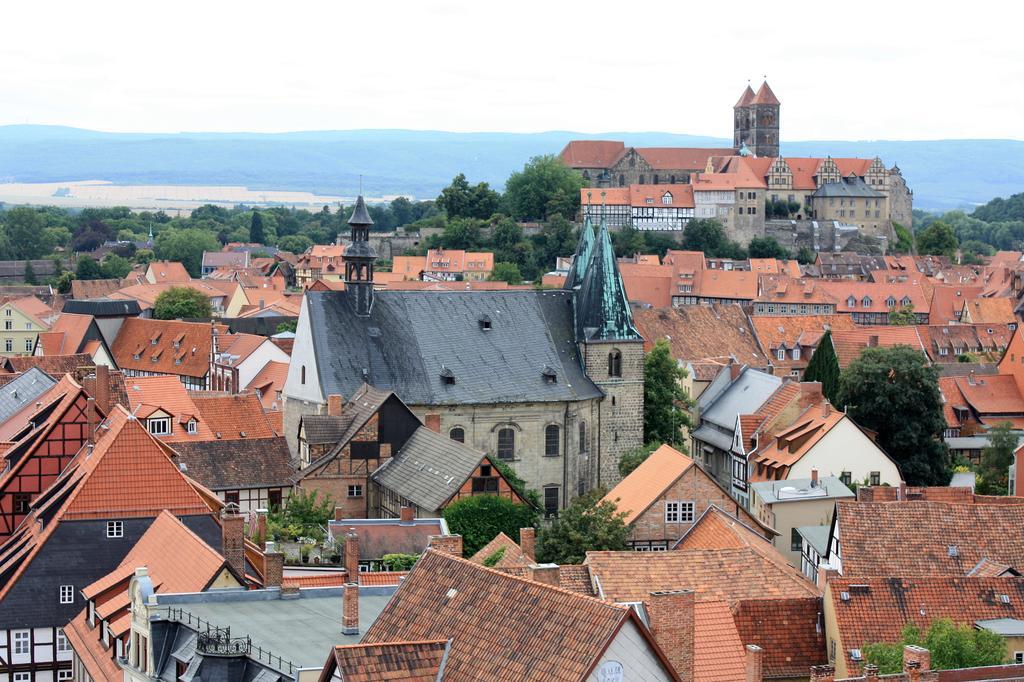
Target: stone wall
[621,411]
[817,235]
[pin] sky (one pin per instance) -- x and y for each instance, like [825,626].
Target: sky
[843,70]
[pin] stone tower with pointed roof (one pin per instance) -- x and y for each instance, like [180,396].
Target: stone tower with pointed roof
[756,122]
[359,258]
[611,348]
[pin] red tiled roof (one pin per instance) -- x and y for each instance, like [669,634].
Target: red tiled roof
[991,394]
[787,630]
[765,95]
[654,195]
[790,330]
[33,307]
[729,284]
[592,153]
[849,344]
[146,395]
[163,271]
[93,288]
[511,553]
[746,98]
[54,365]
[718,653]
[702,334]
[269,381]
[634,494]
[989,311]
[231,416]
[180,348]
[645,283]
[717,529]
[681,158]
[876,293]
[789,446]
[394,662]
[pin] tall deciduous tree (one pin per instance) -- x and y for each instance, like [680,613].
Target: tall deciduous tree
[24,228]
[996,459]
[587,524]
[709,237]
[902,316]
[544,187]
[824,367]
[938,239]
[181,303]
[664,398]
[186,246]
[256,233]
[895,393]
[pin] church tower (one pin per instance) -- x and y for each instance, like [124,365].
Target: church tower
[359,258]
[756,122]
[612,351]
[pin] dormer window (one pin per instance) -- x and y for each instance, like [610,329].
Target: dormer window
[851,302]
[866,302]
[795,354]
[485,322]
[191,426]
[159,426]
[550,376]
[666,198]
[890,302]
[906,300]
[447,376]
[648,200]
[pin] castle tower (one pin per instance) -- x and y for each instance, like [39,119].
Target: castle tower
[359,258]
[741,119]
[613,355]
[756,122]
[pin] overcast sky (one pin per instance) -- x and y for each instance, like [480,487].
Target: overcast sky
[843,70]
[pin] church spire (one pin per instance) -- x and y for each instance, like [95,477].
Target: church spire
[602,308]
[359,257]
[581,258]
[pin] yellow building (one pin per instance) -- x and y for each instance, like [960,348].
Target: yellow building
[23,319]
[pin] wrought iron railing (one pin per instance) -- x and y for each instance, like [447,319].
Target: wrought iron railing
[218,641]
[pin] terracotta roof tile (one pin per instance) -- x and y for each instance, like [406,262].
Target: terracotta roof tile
[849,344]
[592,153]
[575,577]
[718,653]
[166,393]
[878,296]
[730,284]
[236,463]
[788,632]
[925,538]
[681,158]
[645,484]
[787,447]
[701,334]
[995,394]
[93,288]
[765,95]
[512,554]
[648,283]
[269,381]
[164,271]
[54,365]
[717,529]
[394,662]
[989,311]
[233,416]
[948,302]
[180,348]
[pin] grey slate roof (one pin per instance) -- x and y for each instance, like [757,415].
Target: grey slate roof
[324,428]
[1005,627]
[24,390]
[847,188]
[745,396]
[817,537]
[410,337]
[429,469]
[102,307]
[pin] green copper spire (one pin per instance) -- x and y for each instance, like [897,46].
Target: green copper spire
[581,259]
[602,308]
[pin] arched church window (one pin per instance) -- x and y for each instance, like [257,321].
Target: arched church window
[615,363]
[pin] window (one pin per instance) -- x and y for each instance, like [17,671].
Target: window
[274,498]
[21,677]
[458,434]
[506,443]
[8,325]
[65,674]
[485,484]
[551,500]
[666,198]
[1018,656]
[21,643]
[191,426]
[781,354]
[115,529]
[876,478]
[302,379]
[796,353]
[7,312]
[160,426]
[231,497]
[678,512]
[795,542]
[583,437]
[21,503]
[62,642]
[355,491]
[845,477]
[9,345]
[28,345]
[615,364]
[67,594]
[551,441]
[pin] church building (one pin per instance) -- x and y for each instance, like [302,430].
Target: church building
[548,381]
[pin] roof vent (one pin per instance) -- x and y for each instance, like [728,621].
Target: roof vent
[550,375]
[218,435]
[485,322]
[242,434]
[845,596]
[182,467]
[450,593]
[1005,598]
[447,376]
[953,551]
[855,654]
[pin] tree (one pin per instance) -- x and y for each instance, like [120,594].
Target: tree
[587,524]
[479,519]
[24,228]
[186,246]
[902,316]
[766,247]
[806,256]
[506,272]
[287,326]
[938,239]
[895,393]
[664,397]
[996,459]
[295,243]
[179,303]
[304,515]
[544,187]
[824,367]
[709,236]
[633,458]
[30,273]
[115,267]
[256,233]
[952,647]
[88,268]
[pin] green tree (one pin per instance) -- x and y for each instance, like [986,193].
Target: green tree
[634,457]
[587,524]
[179,303]
[895,393]
[806,256]
[996,459]
[665,401]
[824,367]
[506,272]
[115,267]
[287,326]
[709,236]
[544,187]
[904,240]
[294,243]
[938,239]
[479,518]
[304,515]
[256,233]
[30,273]
[952,647]
[186,246]
[902,316]
[766,247]
[24,229]
[88,268]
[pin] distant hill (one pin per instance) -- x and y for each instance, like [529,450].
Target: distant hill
[943,173]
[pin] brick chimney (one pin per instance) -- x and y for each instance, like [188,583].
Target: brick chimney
[870,672]
[273,566]
[826,573]
[259,532]
[873,341]
[407,515]
[916,660]
[90,418]
[232,528]
[449,544]
[671,620]
[528,542]
[734,369]
[350,609]
[823,673]
[544,573]
[755,663]
[352,554]
[102,389]
[335,405]
[814,477]
[433,422]
[339,514]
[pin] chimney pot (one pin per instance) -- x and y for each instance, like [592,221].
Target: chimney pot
[352,554]
[273,567]
[350,609]
[528,542]
[755,663]
[814,477]
[102,388]
[339,514]
[823,673]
